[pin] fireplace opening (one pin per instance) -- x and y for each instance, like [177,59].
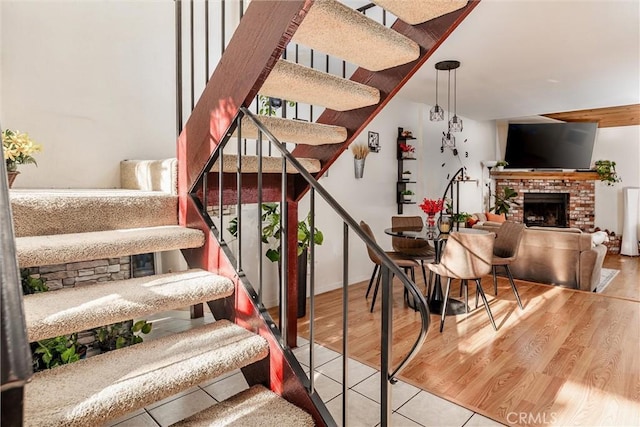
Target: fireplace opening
[546,209]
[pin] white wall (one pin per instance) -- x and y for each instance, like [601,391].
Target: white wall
[93,82]
[480,139]
[622,145]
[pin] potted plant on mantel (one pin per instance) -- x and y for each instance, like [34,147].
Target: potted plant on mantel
[500,164]
[18,149]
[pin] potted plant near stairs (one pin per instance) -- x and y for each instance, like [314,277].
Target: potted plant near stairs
[271,234]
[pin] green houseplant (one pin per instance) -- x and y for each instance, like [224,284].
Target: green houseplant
[503,201]
[52,352]
[32,285]
[271,233]
[500,164]
[268,106]
[606,170]
[461,217]
[122,334]
[407,195]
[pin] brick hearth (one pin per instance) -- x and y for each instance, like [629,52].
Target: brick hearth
[579,185]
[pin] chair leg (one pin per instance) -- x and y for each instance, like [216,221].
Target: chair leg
[444,303]
[373,276]
[513,286]
[429,285]
[495,280]
[407,300]
[375,292]
[477,294]
[486,304]
[424,272]
[466,294]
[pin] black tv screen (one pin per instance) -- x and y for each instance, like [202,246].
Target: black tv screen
[550,145]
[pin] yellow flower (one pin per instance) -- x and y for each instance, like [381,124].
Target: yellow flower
[18,148]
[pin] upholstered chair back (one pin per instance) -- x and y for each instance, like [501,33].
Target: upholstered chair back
[508,239]
[374,258]
[467,255]
[406,245]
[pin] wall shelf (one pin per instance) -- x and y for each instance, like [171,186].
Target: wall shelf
[402,184]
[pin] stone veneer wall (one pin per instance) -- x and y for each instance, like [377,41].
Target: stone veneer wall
[581,197]
[83,273]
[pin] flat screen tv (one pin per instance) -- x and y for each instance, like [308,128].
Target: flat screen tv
[550,145]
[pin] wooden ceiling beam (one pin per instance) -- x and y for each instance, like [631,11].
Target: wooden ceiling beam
[625,115]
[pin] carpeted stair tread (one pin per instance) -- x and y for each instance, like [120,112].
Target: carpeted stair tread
[46,212]
[269,164]
[418,11]
[256,406]
[295,131]
[35,251]
[334,28]
[98,389]
[295,82]
[62,312]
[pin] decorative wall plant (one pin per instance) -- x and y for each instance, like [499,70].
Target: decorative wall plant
[606,170]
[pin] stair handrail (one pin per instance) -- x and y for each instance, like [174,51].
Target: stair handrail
[348,219]
[16,356]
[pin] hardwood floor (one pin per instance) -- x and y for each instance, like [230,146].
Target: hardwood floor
[568,358]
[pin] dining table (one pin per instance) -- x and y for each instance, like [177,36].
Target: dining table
[438,240]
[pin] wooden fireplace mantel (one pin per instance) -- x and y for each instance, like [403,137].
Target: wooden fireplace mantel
[567,176]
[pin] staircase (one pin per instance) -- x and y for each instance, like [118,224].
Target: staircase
[59,227]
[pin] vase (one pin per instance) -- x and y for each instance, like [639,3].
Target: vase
[12,177]
[358,165]
[444,224]
[431,220]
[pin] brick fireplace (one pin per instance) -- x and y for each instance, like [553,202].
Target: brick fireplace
[577,187]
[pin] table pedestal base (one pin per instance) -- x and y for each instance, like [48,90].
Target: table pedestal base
[454,307]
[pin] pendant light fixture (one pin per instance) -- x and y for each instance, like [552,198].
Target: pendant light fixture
[437,113]
[454,124]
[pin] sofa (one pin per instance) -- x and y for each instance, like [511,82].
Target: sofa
[566,257]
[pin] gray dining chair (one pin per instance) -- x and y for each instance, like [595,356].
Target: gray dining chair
[505,251]
[408,264]
[418,249]
[466,256]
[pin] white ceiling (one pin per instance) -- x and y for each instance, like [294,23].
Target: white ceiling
[523,58]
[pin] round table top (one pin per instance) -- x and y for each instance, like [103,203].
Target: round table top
[426,233]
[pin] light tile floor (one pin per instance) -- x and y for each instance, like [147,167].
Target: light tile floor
[411,405]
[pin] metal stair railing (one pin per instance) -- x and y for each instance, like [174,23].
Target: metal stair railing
[199,192]
[187,19]
[15,353]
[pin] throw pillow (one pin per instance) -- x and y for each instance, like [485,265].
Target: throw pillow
[495,218]
[472,221]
